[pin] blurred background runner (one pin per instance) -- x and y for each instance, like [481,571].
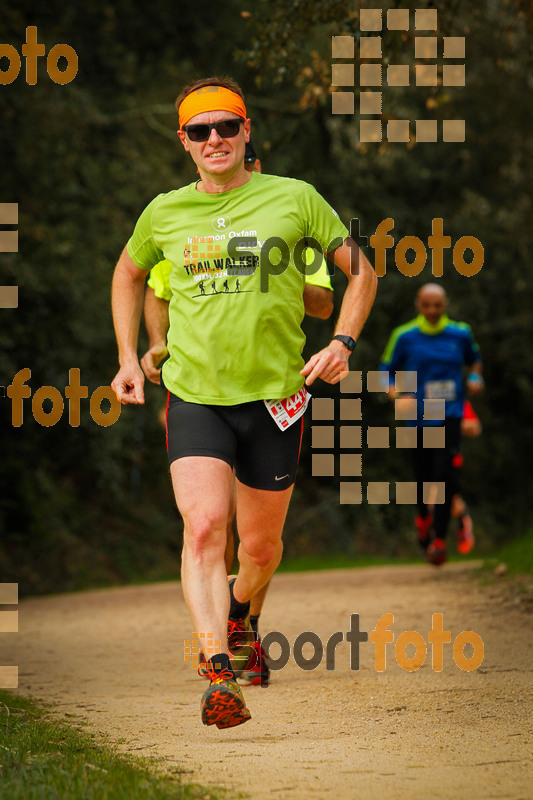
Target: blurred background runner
[437,350]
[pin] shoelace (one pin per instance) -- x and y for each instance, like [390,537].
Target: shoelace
[219,677]
[235,626]
[238,628]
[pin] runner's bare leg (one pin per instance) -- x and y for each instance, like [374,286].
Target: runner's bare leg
[202,488]
[229,554]
[256,603]
[260,519]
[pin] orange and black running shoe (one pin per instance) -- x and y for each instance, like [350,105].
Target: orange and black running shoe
[222,703]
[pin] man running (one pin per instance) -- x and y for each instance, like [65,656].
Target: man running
[436,349]
[228,354]
[318,302]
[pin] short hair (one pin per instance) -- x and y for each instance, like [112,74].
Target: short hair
[216,80]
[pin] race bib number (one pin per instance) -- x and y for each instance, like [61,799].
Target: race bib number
[286,412]
[440,390]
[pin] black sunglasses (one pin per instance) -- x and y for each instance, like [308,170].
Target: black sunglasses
[226,129]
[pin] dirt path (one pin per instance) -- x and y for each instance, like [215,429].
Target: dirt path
[115,657]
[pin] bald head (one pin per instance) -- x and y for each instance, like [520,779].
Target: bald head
[431,288]
[431,301]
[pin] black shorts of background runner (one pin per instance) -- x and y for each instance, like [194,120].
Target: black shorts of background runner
[436,465]
[243,435]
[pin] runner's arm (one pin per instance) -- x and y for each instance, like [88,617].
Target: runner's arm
[356,304]
[126,301]
[156,322]
[318,302]
[475,383]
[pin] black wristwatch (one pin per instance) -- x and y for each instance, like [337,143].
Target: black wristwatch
[347,341]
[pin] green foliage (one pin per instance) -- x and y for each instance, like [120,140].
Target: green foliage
[517,556]
[480,188]
[84,159]
[42,758]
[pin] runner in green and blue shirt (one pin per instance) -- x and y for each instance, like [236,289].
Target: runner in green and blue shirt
[436,350]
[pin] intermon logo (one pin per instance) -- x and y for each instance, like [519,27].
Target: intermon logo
[31,51]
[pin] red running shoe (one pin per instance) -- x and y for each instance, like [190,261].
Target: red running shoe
[465,534]
[436,552]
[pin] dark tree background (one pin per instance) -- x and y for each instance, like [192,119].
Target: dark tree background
[89,505]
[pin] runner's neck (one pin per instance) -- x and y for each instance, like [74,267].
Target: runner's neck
[207,185]
[427,327]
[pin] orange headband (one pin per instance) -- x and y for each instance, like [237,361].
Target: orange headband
[210,98]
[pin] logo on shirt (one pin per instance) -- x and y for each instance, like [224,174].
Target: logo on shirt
[221,223]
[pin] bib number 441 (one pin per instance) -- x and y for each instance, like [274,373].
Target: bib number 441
[295,402]
[285,412]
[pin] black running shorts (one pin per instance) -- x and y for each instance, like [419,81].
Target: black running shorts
[244,435]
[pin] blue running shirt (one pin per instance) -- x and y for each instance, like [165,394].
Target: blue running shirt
[437,353]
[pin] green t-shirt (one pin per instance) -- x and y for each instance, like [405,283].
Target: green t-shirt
[228,341]
[159,277]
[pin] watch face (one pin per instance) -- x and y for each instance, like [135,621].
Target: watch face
[346,340]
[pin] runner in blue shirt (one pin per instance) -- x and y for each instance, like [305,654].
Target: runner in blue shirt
[437,349]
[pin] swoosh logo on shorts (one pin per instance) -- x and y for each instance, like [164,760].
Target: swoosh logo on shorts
[283,476]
